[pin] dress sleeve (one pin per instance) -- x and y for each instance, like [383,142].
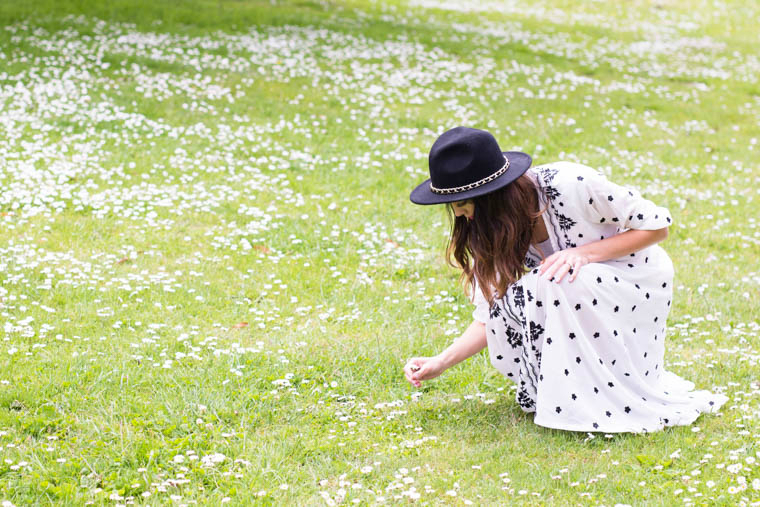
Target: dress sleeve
[481,312]
[605,202]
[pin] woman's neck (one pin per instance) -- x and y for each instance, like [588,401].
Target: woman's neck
[540,234]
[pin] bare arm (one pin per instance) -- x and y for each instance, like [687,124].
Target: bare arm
[559,263]
[472,341]
[622,244]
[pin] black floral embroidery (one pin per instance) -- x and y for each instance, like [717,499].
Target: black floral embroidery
[513,337]
[551,192]
[547,174]
[524,399]
[519,297]
[536,330]
[565,223]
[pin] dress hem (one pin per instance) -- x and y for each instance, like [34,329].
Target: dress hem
[683,420]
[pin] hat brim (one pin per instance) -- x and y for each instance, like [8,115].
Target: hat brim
[519,162]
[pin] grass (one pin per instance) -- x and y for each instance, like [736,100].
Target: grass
[211,273]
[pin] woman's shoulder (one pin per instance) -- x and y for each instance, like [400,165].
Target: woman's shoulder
[564,169]
[563,172]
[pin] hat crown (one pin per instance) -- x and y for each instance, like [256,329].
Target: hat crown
[462,156]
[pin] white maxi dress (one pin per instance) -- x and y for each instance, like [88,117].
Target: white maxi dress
[588,355]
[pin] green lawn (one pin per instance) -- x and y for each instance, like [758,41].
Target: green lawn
[211,274]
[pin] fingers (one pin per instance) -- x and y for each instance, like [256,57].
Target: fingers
[546,264]
[412,371]
[574,274]
[577,264]
[410,378]
[418,375]
[558,267]
[409,372]
[420,368]
[553,266]
[561,272]
[408,375]
[561,263]
[423,373]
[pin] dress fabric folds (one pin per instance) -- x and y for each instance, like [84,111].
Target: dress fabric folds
[588,355]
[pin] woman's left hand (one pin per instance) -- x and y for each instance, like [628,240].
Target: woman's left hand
[560,263]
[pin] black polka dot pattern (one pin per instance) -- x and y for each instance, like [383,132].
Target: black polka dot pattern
[579,358]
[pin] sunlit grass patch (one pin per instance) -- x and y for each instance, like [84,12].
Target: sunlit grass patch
[211,273]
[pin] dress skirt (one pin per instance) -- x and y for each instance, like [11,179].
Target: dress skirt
[588,355]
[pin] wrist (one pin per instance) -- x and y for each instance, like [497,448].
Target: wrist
[591,253]
[445,359]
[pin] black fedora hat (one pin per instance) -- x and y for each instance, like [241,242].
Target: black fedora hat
[465,163]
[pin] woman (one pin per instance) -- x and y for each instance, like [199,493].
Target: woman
[577,295]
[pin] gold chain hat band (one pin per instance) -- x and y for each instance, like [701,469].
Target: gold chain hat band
[476,184]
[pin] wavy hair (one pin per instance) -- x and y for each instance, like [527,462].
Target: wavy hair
[491,247]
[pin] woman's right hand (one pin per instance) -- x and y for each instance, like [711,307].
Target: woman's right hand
[423,368]
[472,341]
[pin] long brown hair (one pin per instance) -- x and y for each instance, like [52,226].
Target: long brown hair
[491,247]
